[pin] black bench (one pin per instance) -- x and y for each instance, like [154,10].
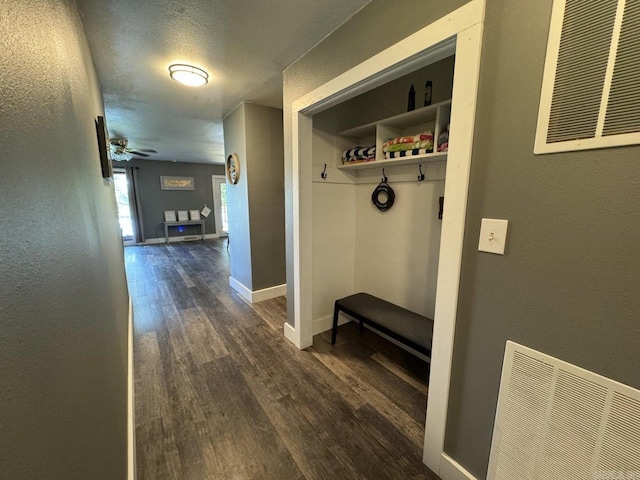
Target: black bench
[409,328]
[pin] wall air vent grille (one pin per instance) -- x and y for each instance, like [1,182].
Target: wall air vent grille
[556,420]
[592,73]
[582,65]
[623,110]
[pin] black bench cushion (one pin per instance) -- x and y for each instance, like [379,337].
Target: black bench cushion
[414,327]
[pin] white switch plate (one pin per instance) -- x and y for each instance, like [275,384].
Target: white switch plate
[493,235]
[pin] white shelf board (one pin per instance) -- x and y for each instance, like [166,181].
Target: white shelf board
[426,158]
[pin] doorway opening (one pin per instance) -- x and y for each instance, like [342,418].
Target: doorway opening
[220,204]
[460,34]
[123,200]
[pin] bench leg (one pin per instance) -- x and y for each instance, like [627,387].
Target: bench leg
[334,331]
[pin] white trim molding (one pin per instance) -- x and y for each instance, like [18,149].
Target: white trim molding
[452,470]
[131,404]
[255,296]
[463,113]
[289,332]
[458,33]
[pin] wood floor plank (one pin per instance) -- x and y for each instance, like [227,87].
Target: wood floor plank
[156,454]
[262,452]
[204,342]
[357,358]
[221,394]
[400,373]
[372,396]
[150,378]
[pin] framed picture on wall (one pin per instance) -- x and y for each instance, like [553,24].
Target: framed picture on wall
[176,183]
[183,215]
[169,215]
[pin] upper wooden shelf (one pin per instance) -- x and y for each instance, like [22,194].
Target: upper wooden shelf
[388,162]
[409,123]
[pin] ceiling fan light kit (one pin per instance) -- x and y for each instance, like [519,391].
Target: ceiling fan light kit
[188,75]
[121,152]
[121,156]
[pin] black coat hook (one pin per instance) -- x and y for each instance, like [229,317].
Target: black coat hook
[384,177]
[324,172]
[421,176]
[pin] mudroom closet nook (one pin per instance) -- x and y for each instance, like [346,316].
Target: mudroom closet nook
[339,242]
[391,252]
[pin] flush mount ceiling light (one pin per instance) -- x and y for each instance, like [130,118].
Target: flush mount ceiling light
[188,75]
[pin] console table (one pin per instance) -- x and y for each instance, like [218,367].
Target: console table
[179,224]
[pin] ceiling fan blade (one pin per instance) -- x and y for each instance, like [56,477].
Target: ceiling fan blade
[139,154]
[146,150]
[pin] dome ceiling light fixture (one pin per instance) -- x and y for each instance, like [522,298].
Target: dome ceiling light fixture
[188,75]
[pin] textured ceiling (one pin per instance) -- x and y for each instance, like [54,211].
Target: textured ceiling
[244,45]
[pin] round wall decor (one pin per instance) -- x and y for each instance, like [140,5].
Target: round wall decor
[233,168]
[383,197]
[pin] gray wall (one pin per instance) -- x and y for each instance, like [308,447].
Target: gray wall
[155,200]
[256,202]
[63,293]
[349,45]
[265,153]
[568,284]
[238,198]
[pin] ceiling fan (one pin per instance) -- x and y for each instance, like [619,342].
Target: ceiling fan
[120,150]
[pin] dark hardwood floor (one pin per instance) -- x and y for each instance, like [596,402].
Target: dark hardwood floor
[220,393]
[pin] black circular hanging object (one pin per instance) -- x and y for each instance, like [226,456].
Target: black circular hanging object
[388,197]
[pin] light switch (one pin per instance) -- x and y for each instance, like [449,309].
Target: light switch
[493,235]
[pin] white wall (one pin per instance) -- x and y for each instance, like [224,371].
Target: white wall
[397,251]
[357,248]
[392,254]
[334,245]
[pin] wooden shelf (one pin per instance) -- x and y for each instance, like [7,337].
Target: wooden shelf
[434,117]
[426,158]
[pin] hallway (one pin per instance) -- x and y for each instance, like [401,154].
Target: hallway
[220,394]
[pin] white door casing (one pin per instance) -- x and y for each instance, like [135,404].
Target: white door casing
[465,27]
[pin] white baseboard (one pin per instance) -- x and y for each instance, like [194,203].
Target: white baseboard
[131,430]
[326,323]
[289,333]
[186,238]
[257,295]
[452,470]
[268,293]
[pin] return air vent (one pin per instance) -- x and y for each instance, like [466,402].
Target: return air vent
[592,74]
[558,421]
